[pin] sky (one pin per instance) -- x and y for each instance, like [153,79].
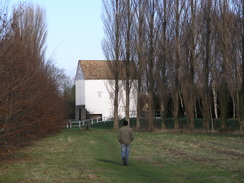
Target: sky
[75,31]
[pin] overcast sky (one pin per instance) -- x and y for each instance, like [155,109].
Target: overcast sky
[75,31]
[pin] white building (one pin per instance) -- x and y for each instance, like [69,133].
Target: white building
[94,91]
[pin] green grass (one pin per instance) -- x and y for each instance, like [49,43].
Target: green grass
[94,156]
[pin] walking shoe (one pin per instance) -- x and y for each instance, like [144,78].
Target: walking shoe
[124,161]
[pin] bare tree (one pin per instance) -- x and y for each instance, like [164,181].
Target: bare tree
[175,66]
[190,57]
[127,49]
[31,27]
[233,69]
[30,103]
[140,54]
[205,92]
[151,35]
[215,68]
[239,4]
[241,102]
[164,56]
[224,42]
[184,50]
[112,18]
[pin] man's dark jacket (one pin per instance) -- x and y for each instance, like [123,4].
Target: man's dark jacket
[125,135]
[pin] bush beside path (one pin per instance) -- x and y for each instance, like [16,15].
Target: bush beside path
[94,156]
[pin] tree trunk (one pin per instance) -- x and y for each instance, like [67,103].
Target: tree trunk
[176,89]
[138,116]
[151,63]
[206,92]
[215,100]
[150,112]
[140,61]
[241,93]
[116,102]
[163,115]
[223,96]
[128,61]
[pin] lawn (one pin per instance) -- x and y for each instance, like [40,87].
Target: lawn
[76,155]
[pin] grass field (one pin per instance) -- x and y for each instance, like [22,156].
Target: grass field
[94,156]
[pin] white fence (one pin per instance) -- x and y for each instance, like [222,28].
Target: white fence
[78,124]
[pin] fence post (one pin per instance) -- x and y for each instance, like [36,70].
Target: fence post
[70,124]
[79,124]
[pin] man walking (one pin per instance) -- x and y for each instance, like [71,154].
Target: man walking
[125,137]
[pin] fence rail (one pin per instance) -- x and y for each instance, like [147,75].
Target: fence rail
[78,124]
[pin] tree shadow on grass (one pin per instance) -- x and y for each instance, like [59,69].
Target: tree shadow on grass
[108,161]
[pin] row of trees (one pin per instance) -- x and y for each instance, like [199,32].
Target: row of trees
[31,101]
[189,52]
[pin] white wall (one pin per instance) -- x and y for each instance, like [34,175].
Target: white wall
[98,101]
[79,87]
[80,92]
[133,99]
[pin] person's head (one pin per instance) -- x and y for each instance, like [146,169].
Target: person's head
[125,122]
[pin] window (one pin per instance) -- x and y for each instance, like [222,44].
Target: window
[99,94]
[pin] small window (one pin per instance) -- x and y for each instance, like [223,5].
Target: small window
[99,94]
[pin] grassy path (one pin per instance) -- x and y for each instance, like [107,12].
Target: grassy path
[94,156]
[109,159]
